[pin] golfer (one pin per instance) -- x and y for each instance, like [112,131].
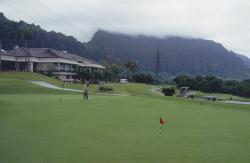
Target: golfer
[85,92]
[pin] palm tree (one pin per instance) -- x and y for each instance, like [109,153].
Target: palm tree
[0,50]
[27,36]
[15,35]
[131,66]
[2,35]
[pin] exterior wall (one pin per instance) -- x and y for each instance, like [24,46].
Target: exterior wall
[64,73]
[64,69]
[7,65]
[30,66]
[49,60]
[61,77]
[45,67]
[8,58]
[66,77]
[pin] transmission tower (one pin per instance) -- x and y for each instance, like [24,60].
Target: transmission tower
[157,68]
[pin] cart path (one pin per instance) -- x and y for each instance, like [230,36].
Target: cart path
[155,90]
[51,86]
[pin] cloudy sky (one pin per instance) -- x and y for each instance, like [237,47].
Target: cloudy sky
[224,21]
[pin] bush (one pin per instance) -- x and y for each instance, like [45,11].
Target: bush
[168,91]
[105,89]
[214,85]
[143,78]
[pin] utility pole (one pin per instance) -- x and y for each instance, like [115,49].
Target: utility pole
[0,54]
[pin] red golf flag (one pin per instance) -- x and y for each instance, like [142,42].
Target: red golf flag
[161,121]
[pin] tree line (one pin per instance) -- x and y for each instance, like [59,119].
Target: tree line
[212,84]
[115,71]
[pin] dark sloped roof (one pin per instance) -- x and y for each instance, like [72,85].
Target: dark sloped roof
[33,52]
[64,54]
[47,53]
[6,53]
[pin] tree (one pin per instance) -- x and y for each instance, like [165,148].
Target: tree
[16,34]
[244,88]
[143,78]
[27,38]
[181,81]
[212,84]
[84,74]
[3,34]
[132,67]
[112,72]
[1,38]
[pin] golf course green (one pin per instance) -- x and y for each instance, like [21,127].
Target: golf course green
[37,127]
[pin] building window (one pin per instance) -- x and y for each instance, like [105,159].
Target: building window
[67,67]
[62,67]
[73,68]
[56,67]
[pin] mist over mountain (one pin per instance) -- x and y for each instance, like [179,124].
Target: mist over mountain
[245,59]
[14,33]
[177,55]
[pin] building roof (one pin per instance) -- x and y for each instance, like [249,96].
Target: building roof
[51,53]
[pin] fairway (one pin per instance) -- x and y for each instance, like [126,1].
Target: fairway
[39,128]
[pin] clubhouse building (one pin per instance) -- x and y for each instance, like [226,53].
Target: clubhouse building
[60,64]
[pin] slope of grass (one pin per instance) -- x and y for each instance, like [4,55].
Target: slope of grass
[131,88]
[19,83]
[222,96]
[16,86]
[29,76]
[38,128]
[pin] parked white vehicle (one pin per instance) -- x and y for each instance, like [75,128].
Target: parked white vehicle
[123,81]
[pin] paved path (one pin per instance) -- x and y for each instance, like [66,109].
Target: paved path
[51,86]
[237,102]
[155,90]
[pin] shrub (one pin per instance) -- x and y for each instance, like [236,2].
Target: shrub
[168,91]
[105,89]
[143,78]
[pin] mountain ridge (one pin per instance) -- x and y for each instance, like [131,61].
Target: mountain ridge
[179,55]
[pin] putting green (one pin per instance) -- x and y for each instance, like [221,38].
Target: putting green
[39,128]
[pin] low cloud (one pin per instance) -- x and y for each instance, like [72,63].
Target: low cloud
[224,21]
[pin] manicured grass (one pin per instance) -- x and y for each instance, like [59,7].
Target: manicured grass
[19,83]
[40,128]
[29,76]
[222,96]
[131,88]
[36,127]
[16,86]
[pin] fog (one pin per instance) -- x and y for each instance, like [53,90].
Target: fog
[224,21]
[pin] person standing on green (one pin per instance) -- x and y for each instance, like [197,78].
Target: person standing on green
[85,92]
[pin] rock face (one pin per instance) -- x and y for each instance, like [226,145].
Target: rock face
[177,55]
[245,59]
